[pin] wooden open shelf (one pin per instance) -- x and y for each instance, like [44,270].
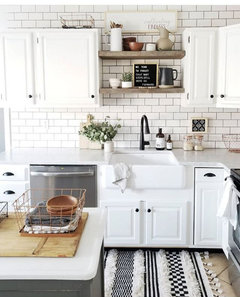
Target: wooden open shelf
[141,90]
[141,55]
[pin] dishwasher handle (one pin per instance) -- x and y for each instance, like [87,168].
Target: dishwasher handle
[62,174]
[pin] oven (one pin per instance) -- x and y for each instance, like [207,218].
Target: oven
[234,240]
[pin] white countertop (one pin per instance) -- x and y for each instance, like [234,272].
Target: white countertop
[81,267]
[76,156]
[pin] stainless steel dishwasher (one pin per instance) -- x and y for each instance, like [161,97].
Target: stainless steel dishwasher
[65,176]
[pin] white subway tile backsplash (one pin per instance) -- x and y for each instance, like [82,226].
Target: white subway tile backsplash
[58,127]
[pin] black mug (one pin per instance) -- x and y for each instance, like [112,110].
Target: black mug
[167,77]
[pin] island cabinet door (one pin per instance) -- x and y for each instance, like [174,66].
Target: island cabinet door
[208,227]
[167,223]
[67,68]
[229,67]
[123,222]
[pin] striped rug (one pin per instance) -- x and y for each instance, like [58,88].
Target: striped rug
[155,273]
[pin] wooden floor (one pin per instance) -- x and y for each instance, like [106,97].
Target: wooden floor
[220,267]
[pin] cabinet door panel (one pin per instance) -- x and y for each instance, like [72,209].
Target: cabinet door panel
[229,65]
[16,68]
[67,68]
[199,65]
[167,223]
[207,225]
[123,221]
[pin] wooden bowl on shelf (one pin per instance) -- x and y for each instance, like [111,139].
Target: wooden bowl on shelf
[126,41]
[62,205]
[136,46]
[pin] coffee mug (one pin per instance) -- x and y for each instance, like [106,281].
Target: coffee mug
[167,77]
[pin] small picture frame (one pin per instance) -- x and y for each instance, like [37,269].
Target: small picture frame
[199,125]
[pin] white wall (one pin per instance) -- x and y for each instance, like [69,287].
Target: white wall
[162,110]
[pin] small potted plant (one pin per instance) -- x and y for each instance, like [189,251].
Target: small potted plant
[102,133]
[127,80]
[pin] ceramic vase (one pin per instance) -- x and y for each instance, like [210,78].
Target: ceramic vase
[116,39]
[108,147]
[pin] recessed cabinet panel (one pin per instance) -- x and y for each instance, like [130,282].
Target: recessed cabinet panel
[208,195]
[229,63]
[123,221]
[66,68]
[16,65]
[200,67]
[166,223]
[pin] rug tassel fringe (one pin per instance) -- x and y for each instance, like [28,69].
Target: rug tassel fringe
[163,274]
[138,274]
[189,272]
[110,271]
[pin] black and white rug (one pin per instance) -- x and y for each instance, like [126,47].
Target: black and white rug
[156,273]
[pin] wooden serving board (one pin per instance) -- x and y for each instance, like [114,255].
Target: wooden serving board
[13,244]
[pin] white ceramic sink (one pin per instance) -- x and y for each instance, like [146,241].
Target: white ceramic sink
[149,170]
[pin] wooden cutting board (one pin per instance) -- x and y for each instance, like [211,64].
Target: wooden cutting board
[12,244]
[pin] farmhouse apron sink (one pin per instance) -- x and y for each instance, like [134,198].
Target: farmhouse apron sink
[159,170]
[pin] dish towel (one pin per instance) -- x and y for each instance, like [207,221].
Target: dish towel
[228,206]
[121,175]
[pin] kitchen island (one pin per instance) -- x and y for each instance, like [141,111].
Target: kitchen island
[80,276]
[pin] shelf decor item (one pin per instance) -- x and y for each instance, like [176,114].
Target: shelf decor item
[114,83]
[142,21]
[77,21]
[116,37]
[232,142]
[100,132]
[199,125]
[127,80]
[164,43]
[145,75]
[136,46]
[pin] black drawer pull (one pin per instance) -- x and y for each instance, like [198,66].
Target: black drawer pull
[8,174]
[209,174]
[149,210]
[137,210]
[9,192]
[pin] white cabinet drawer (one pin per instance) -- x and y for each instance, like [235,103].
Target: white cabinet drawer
[10,191]
[209,175]
[13,172]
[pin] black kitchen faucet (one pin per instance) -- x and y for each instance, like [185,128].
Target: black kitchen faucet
[147,131]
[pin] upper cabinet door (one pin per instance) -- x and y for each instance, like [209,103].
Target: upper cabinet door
[16,74]
[199,67]
[229,67]
[67,68]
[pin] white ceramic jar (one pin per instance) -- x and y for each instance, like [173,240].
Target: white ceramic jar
[126,84]
[108,146]
[150,47]
[114,83]
[116,39]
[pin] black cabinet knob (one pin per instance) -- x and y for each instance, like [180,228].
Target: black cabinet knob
[149,210]
[9,192]
[222,96]
[29,96]
[92,96]
[8,174]
[211,96]
[137,210]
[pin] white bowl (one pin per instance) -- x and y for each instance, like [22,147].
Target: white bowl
[114,82]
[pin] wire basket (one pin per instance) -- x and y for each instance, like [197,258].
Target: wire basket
[77,21]
[232,142]
[3,210]
[39,219]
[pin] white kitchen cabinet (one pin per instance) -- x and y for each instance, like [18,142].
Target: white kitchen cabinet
[208,194]
[16,69]
[123,222]
[229,65]
[167,223]
[199,67]
[67,67]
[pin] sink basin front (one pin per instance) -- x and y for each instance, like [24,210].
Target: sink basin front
[147,159]
[159,170]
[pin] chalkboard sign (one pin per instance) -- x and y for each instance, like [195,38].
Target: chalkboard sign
[145,75]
